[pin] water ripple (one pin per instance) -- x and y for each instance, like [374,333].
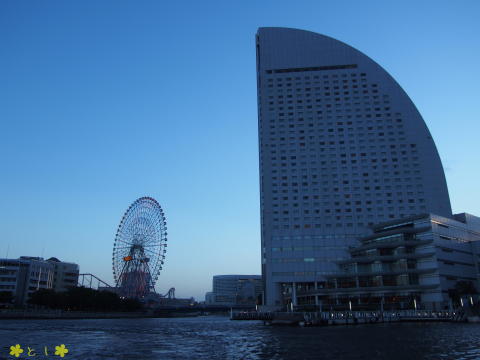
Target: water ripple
[220,338]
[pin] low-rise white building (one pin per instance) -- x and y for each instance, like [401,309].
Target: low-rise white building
[25,275]
[66,274]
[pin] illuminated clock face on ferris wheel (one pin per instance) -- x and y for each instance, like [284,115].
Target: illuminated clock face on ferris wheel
[139,248]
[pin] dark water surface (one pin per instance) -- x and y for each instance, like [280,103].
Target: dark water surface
[220,338]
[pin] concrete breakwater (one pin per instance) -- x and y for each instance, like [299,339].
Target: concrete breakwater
[60,314]
[159,312]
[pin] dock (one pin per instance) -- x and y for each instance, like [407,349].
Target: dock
[348,317]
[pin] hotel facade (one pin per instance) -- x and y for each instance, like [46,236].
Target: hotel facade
[341,148]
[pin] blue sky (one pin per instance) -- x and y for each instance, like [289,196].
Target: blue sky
[104,102]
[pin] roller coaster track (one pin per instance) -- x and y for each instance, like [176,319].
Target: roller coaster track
[89,280]
[170,294]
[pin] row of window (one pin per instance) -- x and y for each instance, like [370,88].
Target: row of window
[317,68]
[301,273]
[376,219]
[307,248]
[338,210]
[7,287]
[343,75]
[359,99]
[287,99]
[296,260]
[329,102]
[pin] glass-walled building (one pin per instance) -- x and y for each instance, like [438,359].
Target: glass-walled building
[233,290]
[422,258]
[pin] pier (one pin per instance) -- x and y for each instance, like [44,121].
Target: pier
[348,317]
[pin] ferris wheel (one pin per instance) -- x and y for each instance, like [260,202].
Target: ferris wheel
[139,248]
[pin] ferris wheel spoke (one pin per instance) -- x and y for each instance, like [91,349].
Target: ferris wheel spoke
[150,242]
[154,245]
[123,235]
[123,247]
[123,241]
[152,252]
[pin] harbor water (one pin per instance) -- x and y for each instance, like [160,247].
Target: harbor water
[215,337]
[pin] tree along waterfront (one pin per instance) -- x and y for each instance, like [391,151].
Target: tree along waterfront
[83,299]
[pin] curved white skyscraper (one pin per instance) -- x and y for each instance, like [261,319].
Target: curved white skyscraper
[342,147]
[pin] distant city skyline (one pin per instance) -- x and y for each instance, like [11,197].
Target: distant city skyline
[106,102]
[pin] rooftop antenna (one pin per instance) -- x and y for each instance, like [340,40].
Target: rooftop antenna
[8,249]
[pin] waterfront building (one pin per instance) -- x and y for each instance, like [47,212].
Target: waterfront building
[209,298]
[230,290]
[415,262]
[21,277]
[341,147]
[65,275]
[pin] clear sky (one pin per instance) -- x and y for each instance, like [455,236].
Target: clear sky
[102,102]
